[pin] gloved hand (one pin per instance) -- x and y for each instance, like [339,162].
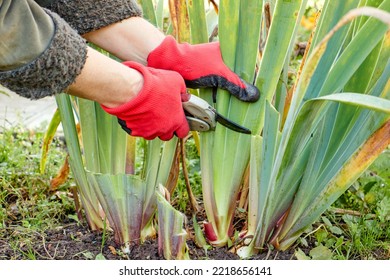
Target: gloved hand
[201,66]
[157,109]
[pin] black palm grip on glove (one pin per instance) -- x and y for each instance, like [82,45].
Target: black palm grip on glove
[201,66]
[248,94]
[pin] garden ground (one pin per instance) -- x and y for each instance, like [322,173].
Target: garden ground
[72,241]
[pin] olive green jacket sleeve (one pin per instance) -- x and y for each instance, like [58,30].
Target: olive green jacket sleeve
[25,32]
[40,54]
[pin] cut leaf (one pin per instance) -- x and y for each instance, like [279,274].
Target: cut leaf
[171,233]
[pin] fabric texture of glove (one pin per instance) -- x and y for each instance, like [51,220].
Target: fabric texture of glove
[54,70]
[90,15]
[201,66]
[157,109]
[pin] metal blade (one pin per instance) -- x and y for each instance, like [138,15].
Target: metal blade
[201,113]
[230,124]
[197,124]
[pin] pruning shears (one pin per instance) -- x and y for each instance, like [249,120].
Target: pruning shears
[201,116]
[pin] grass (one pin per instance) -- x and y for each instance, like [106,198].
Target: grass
[358,224]
[24,193]
[356,227]
[27,206]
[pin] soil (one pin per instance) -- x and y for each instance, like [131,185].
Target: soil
[74,242]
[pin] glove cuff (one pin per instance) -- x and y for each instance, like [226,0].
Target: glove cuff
[87,15]
[139,100]
[54,70]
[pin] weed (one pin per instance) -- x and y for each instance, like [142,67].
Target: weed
[357,226]
[26,203]
[25,198]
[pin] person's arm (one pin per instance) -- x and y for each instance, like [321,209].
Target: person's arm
[105,21]
[106,81]
[130,39]
[45,56]
[146,101]
[200,65]
[117,26]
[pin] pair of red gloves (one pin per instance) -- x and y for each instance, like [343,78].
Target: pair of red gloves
[157,109]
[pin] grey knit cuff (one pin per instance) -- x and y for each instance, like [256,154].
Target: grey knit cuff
[54,70]
[89,15]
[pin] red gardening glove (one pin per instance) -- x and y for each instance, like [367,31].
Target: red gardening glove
[157,109]
[201,66]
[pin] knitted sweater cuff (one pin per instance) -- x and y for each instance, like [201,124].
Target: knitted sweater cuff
[88,15]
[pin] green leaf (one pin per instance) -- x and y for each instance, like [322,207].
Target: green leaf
[321,235]
[226,174]
[222,166]
[149,11]
[324,139]
[330,16]
[367,187]
[171,233]
[365,101]
[384,210]
[88,255]
[100,257]
[200,240]
[265,183]
[198,24]
[321,253]
[303,241]
[160,14]
[88,197]
[339,242]
[369,35]
[336,230]
[326,221]
[300,255]
[126,205]
[48,138]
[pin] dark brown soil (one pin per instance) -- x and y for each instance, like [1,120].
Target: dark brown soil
[73,242]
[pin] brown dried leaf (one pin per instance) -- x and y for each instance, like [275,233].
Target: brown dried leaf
[113,250]
[61,177]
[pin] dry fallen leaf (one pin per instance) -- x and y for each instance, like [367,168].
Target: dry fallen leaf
[113,250]
[61,177]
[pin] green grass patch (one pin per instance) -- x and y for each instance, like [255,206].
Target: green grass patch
[25,198]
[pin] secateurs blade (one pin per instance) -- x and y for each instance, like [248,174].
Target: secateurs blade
[203,117]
